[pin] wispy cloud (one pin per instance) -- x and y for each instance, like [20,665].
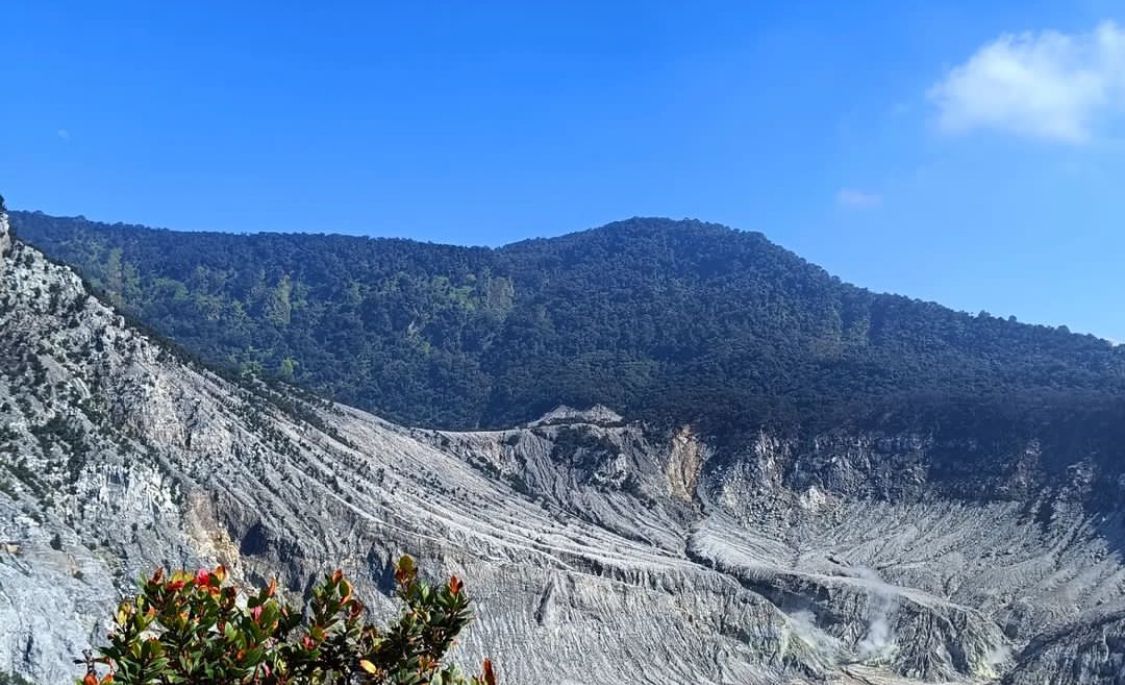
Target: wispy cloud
[1046,85]
[63,134]
[857,199]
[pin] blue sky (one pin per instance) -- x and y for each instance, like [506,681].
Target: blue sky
[971,153]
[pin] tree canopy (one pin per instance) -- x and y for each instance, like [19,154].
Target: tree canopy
[667,321]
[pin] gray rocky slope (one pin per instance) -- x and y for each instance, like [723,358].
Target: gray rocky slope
[597,551]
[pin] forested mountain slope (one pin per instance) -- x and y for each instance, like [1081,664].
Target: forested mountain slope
[597,549]
[669,321]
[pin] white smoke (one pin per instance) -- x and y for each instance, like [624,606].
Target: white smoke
[995,658]
[879,642]
[823,645]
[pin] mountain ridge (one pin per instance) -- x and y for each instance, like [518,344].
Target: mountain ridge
[592,545]
[660,320]
[1003,418]
[685,223]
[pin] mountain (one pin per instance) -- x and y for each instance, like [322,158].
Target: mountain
[663,321]
[939,543]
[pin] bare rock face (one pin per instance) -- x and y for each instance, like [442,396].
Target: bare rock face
[596,550]
[1089,651]
[5,236]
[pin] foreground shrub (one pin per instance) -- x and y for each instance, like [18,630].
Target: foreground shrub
[195,628]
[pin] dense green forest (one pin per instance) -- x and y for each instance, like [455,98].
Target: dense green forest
[661,320]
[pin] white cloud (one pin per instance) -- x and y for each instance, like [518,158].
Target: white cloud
[1048,85]
[857,199]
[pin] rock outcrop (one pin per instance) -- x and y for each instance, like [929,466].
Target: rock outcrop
[5,236]
[597,550]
